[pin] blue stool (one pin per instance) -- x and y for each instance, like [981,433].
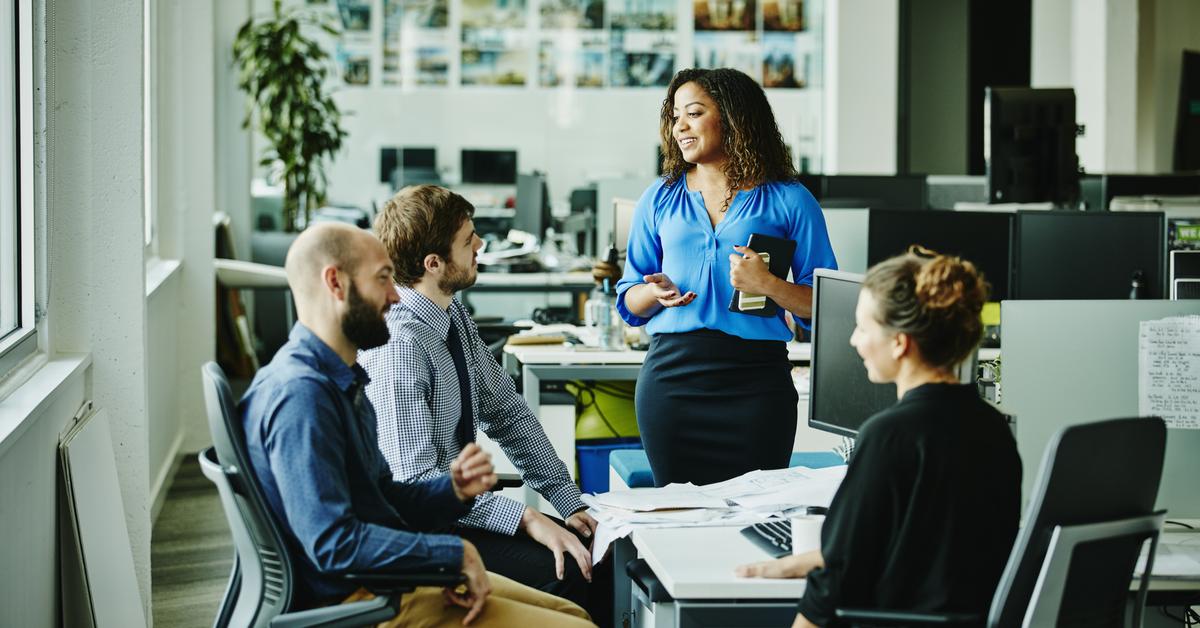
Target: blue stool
[629,468]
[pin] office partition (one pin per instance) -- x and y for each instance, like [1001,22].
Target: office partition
[1068,362]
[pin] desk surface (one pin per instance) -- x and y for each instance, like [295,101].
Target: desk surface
[698,563]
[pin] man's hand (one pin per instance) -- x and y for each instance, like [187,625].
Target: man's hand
[666,292]
[604,270]
[472,595]
[541,529]
[583,523]
[796,566]
[471,473]
[748,272]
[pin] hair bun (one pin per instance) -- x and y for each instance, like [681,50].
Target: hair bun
[947,282]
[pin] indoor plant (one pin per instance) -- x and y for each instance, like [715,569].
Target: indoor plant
[283,71]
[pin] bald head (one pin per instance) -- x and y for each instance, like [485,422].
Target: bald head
[321,245]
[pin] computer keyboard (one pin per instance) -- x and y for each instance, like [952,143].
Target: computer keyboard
[773,536]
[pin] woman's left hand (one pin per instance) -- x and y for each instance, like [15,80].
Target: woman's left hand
[748,272]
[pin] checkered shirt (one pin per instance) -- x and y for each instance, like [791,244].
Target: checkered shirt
[414,388]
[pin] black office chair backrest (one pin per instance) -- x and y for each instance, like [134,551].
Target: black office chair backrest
[266,586]
[1094,472]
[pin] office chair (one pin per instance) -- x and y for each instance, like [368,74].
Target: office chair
[261,585]
[1091,511]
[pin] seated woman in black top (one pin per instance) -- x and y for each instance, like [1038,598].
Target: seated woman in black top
[927,514]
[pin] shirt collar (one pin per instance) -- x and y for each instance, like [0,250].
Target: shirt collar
[427,311]
[327,361]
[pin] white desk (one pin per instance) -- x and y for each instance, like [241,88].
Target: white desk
[695,566]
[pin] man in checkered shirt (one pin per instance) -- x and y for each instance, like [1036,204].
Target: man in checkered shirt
[419,397]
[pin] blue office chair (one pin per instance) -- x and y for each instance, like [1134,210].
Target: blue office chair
[1091,511]
[261,587]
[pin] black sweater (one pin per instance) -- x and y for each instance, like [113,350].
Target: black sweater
[927,514]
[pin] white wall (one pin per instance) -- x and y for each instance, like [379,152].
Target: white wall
[861,66]
[1167,28]
[186,200]
[1094,48]
[94,204]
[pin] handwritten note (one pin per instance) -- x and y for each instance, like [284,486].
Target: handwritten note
[1169,371]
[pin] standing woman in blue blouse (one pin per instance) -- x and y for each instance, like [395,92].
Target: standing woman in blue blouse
[715,396]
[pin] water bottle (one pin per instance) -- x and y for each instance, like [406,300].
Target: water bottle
[601,313]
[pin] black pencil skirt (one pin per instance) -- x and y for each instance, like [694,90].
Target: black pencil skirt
[711,406]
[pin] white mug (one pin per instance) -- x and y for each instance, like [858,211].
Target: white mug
[806,533]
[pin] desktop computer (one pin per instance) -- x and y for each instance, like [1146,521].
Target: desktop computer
[489,166]
[840,397]
[983,238]
[532,207]
[1089,255]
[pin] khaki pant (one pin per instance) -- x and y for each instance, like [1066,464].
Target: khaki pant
[510,604]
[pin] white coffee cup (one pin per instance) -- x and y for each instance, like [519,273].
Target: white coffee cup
[806,533]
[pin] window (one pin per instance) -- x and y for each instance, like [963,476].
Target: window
[17,333]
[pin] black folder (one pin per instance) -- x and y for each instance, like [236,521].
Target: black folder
[780,252]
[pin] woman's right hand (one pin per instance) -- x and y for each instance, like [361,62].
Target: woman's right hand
[666,292]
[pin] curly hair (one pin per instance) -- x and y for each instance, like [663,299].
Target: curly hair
[935,299]
[749,136]
[417,221]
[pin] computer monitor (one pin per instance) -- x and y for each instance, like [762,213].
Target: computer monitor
[532,206]
[873,191]
[411,157]
[840,396]
[1029,145]
[489,166]
[1088,255]
[983,238]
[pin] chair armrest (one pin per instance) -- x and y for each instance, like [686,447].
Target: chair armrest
[877,617]
[508,480]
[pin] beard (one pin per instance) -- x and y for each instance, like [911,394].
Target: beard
[456,278]
[364,324]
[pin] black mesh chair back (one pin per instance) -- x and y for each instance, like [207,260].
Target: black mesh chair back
[1090,473]
[266,577]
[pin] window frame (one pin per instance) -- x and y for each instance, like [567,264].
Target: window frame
[21,342]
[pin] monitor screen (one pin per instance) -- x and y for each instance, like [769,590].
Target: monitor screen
[983,238]
[489,166]
[1089,255]
[840,397]
[418,158]
[532,207]
[1029,145]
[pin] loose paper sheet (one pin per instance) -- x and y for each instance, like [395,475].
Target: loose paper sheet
[1169,371]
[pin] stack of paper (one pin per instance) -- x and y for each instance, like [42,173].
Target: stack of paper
[743,500]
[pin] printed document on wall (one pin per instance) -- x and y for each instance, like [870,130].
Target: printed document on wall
[1169,371]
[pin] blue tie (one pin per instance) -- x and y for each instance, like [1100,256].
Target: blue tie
[465,431]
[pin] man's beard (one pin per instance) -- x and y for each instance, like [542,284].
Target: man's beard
[363,324]
[456,278]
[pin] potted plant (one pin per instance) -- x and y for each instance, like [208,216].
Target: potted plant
[283,71]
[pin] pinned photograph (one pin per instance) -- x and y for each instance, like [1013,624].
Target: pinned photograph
[783,15]
[569,14]
[355,15]
[494,57]
[493,14]
[742,51]
[354,65]
[724,15]
[780,67]
[572,59]
[650,15]
[642,58]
